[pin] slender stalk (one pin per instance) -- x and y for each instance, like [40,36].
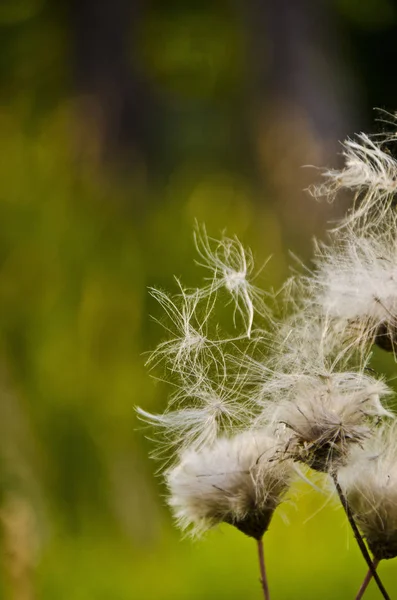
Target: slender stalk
[366,581]
[261,556]
[358,537]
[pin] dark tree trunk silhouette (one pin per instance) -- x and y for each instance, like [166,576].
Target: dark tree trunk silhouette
[305,96]
[115,97]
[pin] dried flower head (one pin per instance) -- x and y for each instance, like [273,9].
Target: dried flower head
[369,482]
[238,480]
[325,411]
[356,283]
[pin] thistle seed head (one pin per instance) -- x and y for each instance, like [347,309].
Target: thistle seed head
[355,283]
[369,482]
[324,415]
[238,480]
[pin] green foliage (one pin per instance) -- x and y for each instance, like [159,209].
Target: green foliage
[372,14]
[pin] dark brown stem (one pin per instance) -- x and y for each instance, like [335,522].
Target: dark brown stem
[366,581]
[261,556]
[358,537]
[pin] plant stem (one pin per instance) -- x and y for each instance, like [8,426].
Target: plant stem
[358,537]
[261,556]
[366,581]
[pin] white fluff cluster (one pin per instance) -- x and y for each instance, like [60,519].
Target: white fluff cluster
[201,410]
[324,413]
[301,380]
[355,282]
[237,480]
[209,398]
[222,469]
[370,485]
[369,171]
[298,389]
[316,392]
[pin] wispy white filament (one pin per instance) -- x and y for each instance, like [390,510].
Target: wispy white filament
[370,172]
[188,328]
[201,410]
[232,269]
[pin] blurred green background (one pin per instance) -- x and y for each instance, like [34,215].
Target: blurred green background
[121,123]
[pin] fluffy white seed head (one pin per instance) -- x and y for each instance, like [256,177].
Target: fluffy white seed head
[370,172]
[355,282]
[238,480]
[316,391]
[369,482]
[323,413]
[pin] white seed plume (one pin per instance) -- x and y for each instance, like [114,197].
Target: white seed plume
[356,282]
[232,268]
[201,410]
[370,172]
[188,328]
[309,341]
[238,480]
[369,482]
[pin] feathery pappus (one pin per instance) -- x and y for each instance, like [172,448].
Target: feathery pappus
[370,172]
[369,482]
[355,283]
[238,480]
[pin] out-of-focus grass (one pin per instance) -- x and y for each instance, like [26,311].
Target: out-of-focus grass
[312,559]
[76,255]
